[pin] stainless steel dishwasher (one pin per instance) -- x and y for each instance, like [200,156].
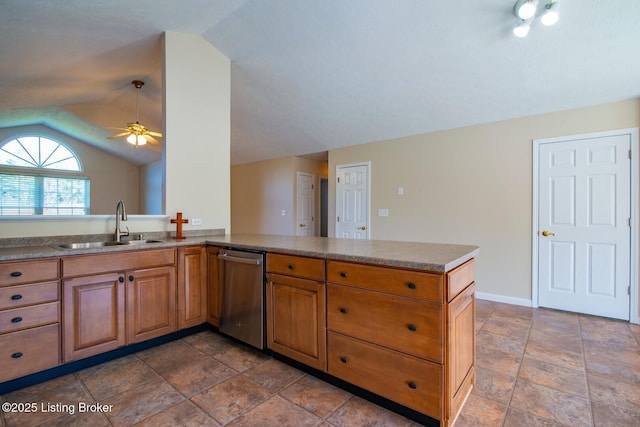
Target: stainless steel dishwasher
[243,296]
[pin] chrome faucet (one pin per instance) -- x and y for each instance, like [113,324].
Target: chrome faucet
[121,213]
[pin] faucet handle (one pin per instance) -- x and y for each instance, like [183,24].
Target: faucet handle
[125,233]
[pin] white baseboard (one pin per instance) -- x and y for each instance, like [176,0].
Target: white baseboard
[507,300]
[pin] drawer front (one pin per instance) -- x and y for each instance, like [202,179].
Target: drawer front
[29,351]
[28,317]
[412,382]
[459,278]
[403,324]
[21,295]
[13,273]
[308,268]
[105,263]
[406,283]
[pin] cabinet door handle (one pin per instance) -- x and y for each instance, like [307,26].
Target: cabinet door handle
[412,328]
[344,359]
[16,297]
[412,385]
[343,274]
[411,285]
[121,279]
[343,310]
[17,355]
[16,274]
[131,278]
[16,319]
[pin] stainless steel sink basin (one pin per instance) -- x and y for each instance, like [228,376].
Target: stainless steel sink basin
[90,245]
[142,242]
[87,245]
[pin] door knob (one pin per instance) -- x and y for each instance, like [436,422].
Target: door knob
[546,233]
[301,225]
[362,228]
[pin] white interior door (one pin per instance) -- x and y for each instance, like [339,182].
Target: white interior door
[305,204]
[584,235]
[352,201]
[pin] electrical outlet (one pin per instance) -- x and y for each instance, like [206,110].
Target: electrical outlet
[383,212]
[196,221]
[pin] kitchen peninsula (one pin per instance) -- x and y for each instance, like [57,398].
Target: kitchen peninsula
[395,319]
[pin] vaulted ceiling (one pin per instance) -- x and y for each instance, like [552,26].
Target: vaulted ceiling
[310,76]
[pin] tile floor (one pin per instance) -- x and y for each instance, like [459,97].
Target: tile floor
[535,367]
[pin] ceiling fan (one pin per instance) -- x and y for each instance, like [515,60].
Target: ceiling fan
[137,133]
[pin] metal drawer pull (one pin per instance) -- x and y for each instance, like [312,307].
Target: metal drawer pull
[121,279]
[344,359]
[411,285]
[16,274]
[16,297]
[412,328]
[16,320]
[131,278]
[290,266]
[343,274]
[17,355]
[343,310]
[412,385]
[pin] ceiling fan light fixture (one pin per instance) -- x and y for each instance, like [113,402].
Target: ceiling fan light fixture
[550,15]
[522,29]
[526,9]
[136,140]
[136,133]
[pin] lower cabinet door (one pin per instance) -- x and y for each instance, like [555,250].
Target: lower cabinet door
[407,380]
[93,315]
[29,351]
[296,319]
[151,303]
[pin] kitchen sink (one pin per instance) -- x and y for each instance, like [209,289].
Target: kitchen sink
[91,245]
[88,245]
[142,242]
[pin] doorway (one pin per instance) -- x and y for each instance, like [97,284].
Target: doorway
[584,204]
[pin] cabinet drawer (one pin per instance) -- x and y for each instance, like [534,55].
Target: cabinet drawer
[28,317]
[412,382]
[13,273]
[104,263]
[459,278]
[17,296]
[308,268]
[403,324]
[29,351]
[413,284]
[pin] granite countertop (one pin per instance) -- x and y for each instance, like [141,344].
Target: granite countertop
[436,257]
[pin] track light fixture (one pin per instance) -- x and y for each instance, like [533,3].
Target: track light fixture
[527,11]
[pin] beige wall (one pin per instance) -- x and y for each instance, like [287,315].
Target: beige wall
[261,191]
[471,185]
[197,108]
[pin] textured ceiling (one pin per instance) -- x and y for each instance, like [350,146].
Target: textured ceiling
[309,76]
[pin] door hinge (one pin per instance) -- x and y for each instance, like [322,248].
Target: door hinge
[338,179]
[628,290]
[629,222]
[338,219]
[629,153]
[313,187]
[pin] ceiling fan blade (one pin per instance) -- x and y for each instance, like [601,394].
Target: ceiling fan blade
[120,135]
[151,139]
[158,134]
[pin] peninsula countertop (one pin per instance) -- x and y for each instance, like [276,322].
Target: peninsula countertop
[436,257]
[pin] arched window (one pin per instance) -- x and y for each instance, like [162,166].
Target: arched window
[39,176]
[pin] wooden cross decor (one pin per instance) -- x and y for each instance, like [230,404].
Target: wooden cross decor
[179,221]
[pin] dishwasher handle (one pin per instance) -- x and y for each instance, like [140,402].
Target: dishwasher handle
[250,261]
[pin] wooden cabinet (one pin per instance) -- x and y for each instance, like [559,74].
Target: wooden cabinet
[151,303]
[29,317]
[296,311]
[214,296]
[192,286]
[94,314]
[111,300]
[408,336]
